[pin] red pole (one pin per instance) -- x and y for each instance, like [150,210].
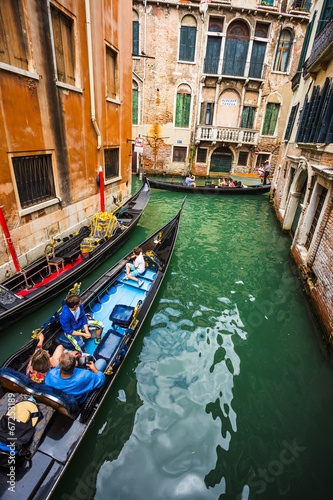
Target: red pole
[101,187]
[9,240]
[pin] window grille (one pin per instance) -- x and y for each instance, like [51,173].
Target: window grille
[34,179]
[111,163]
[202,155]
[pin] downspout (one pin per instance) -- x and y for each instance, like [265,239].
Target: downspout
[91,75]
[144,67]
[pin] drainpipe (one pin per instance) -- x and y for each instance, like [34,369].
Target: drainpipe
[9,240]
[91,75]
[144,67]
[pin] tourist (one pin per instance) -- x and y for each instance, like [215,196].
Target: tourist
[136,267]
[78,382]
[41,361]
[190,181]
[75,322]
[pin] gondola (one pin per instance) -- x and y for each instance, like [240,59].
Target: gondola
[122,306]
[209,188]
[38,283]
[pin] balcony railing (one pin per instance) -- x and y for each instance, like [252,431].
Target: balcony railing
[249,70]
[227,134]
[321,43]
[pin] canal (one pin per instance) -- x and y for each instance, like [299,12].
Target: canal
[227,392]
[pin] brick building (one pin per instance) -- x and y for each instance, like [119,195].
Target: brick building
[65,74]
[303,180]
[212,81]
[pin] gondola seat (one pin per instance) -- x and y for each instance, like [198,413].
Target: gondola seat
[103,226]
[16,381]
[122,315]
[108,345]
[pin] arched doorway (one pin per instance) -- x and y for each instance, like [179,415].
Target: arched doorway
[221,160]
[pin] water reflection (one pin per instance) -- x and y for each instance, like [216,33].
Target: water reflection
[185,379]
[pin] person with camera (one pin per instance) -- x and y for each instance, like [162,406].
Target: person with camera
[78,382]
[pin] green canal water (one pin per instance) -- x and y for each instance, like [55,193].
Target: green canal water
[227,392]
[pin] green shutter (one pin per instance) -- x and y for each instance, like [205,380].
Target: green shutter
[187,109]
[245,117]
[257,59]
[135,38]
[212,59]
[179,110]
[272,111]
[187,43]
[135,101]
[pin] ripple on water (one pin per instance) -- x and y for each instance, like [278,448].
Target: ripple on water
[185,380]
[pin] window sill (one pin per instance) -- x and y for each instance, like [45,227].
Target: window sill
[40,206]
[114,101]
[186,62]
[19,71]
[67,86]
[137,57]
[111,181]
[181,128]
[269,136]
[280,72]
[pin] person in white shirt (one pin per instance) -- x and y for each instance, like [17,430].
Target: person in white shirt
[136,267]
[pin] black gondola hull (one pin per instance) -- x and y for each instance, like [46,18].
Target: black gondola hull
[180,187]
[63,435]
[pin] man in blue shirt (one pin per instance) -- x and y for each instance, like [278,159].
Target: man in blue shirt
[77,382]
[74,322]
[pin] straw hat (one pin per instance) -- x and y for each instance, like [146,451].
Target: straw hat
[24,411]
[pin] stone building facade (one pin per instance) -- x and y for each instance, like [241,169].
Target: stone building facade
[303,182]
[65,78]
[212,82]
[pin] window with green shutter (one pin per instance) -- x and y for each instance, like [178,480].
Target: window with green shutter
[325,14]
[188,33]
[291,121]
[135,33]
[272,112]
[183,107]
[248,117]
[236,47]
[135,106]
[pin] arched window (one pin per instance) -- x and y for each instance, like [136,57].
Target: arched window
[135,103]
[183,106]
[188,33]
[236,47]
[135,36]
[283,51]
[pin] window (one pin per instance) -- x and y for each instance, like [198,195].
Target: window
[242,158]
[262,158]
[207,113]
[135,33]
[272,112]
[62,26]
[283,51]
[258,51]
[183,107]
[111,73]
[302,5]
[111,163]
[212,58]
[248,117]
[135,103]
[291,121]
[202,155]
[188,33]
[34,179]
[236,47]
[215,24]
[267,2]
[13,43]
[179,153]
[297,77]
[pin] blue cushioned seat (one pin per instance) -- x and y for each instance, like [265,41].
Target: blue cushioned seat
[122,315]
[18,382]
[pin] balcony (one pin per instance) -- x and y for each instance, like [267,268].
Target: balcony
[234,68]
[322,49]
[226,134]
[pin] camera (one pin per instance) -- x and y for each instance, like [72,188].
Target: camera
[84,359]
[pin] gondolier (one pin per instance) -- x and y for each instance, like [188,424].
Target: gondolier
[266,172]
